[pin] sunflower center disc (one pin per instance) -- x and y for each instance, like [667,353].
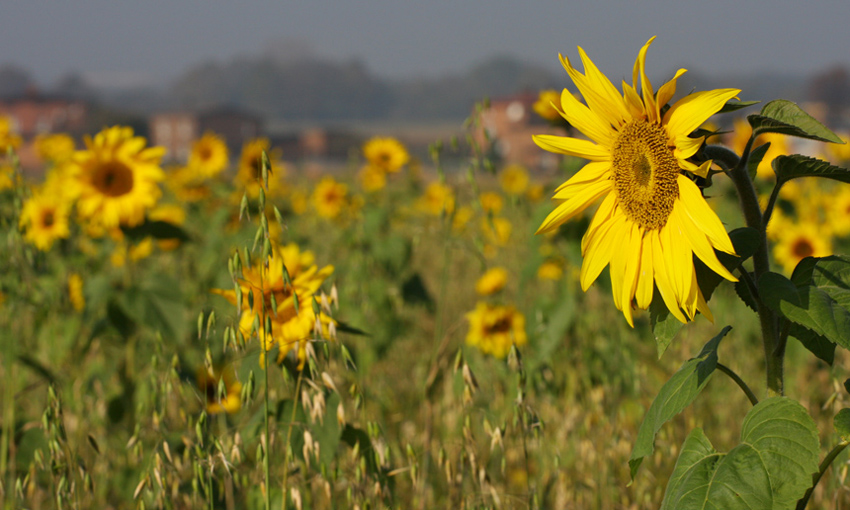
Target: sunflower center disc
[645,173]
[114,179]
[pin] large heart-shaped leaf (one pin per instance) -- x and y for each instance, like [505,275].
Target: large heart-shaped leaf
[784,117]
[771,468]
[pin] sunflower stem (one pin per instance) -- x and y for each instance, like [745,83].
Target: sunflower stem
[830,457]
[774,345]
[740,382]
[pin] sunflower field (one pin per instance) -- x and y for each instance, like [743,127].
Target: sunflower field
[436,330]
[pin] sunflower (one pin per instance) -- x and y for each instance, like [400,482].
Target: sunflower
[292,323]
[217,401]
[8,138]
[653,218]
[492,281]
[116,177]
[372,178]
[388,154]
[494,328]
[838,214]
[438,198]
[491,202]
[330,197]
[552,269]
[797,241]
[514,180]
[75,292]
[250,171]
[45,220]
[778,146]
[54,148]
[209,156]
[543,105]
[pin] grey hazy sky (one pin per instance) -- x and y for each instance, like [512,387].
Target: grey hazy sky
[158,39]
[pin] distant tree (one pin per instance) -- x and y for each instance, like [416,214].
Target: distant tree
[14,80]
[832,87]
[74,86]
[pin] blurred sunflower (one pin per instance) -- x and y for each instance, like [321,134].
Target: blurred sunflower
[372,178]
[461,218]
[116,177]
[551,269]
[493,329]
[45,220]
[492,281]
[437,199]
[838,215]
[653,218]
[778,146]
[209,156]
[388,154]
[544,104]
[187,185]
[291,325]
[227,401]
[8,138]
[54,148]
[330,197]
[491,202]
[75,292]
[9,178]
[797,241]
[249,175]
[514,180]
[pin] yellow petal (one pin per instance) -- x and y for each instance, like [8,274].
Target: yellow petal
[702,306]
[596,99]
[573,147]
[586,120]
[690,112]
[632,254]
[698,241]
[575,205]
[600,249]
[646,87]
[643,291]
[701,214]
[633,101]
[590,173]
[661,281]
[603,213]
[686,146]
[668,90]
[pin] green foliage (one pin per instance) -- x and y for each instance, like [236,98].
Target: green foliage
[797,165]
[771,468]
[784,117]
[820,302]
[676,394]
[841,423]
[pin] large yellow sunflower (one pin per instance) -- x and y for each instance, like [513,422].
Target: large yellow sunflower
[117,177]
[653,218]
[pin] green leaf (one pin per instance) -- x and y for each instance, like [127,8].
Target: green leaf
[156,304]
[841,422]
[797,165]
[157,230]
[745,240]
[756,155]
[809,306]
[818,345]
[743,291]
[665,326]
[784,117]
[732,105]
[771,469]
[676,394]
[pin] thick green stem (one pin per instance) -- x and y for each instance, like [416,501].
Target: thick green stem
[774,345]
[823,467]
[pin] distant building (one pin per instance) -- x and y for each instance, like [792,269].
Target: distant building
[176,132]
[235,126]
[33,114]
[509,124]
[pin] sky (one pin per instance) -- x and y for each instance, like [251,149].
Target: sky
[156,40]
